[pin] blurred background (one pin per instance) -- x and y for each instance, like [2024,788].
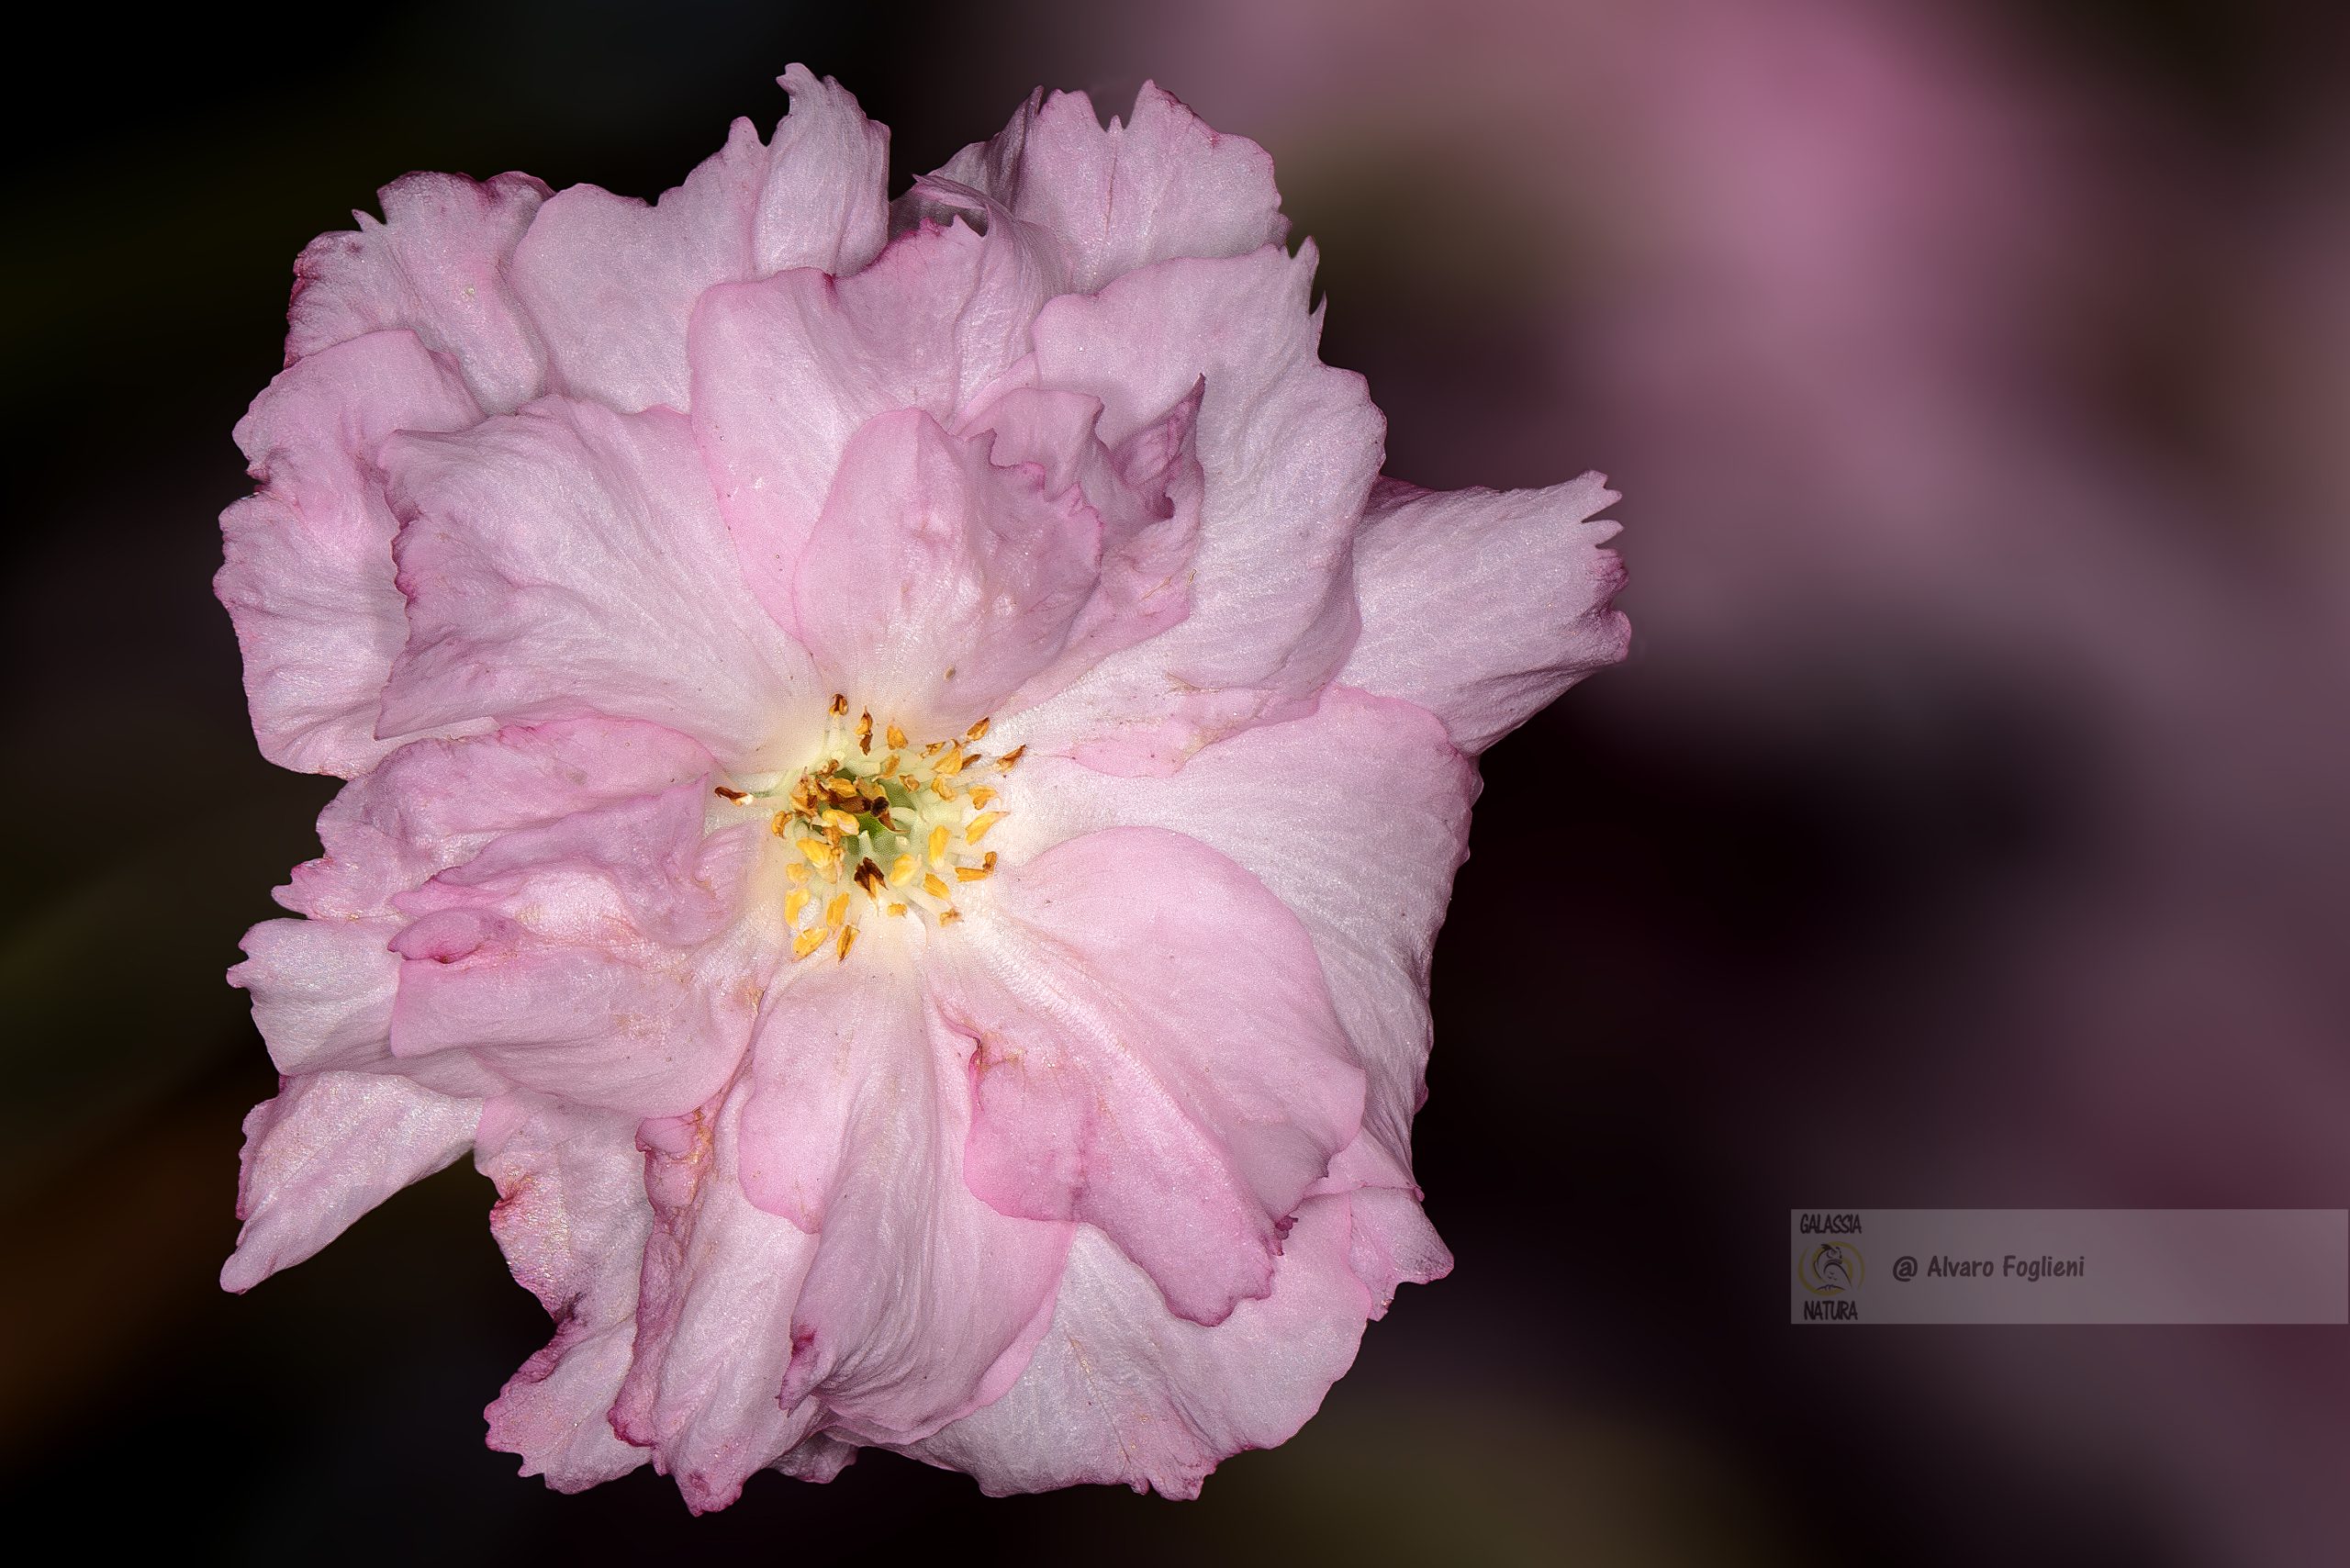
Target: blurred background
[1967,829]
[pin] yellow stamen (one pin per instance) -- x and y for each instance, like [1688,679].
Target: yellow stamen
[834,908]
[932,885]
[841,820]
[895,736]
[902,870]
[953,761]
[972,873]
[976,730]
[1004,763]
[865,732]
[982,795]
[938,844]
[820,854]
[897,910]
[795,871]
[848,940]
[840,705]
[808,941]
[979,825]
[793,902]
[948,917]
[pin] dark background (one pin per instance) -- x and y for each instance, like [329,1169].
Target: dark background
[1967,829]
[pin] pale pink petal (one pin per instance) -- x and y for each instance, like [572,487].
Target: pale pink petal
[434,804]
[786,370]
[935,583]
[1156,1054]
[436,266]
[572,1218]
[1483,605]
[611,281]
[713,1337]
[1163,184]
[569,560]
[923,1304]
[307,578]
[588,960]
[1393,1244]
[321,991]
[1288,448]
[1370,880]
[819,1457]
[1121,1390]
[1146,492]
[329,1148]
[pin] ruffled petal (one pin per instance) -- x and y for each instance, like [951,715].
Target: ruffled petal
[307,577]
[321,991]
[572,1218]
[713,1336]
[922,1303]
[591,960]
[435,804]
[1121,1390]
[611,281]
[1156,1054]
[1145,492]
[569,560]
[1163,184]
[1482,606]
[1368,879]
[1392,1243]
[937,583]
[1288,447]
[329,1148]
[438,266]
[786,370]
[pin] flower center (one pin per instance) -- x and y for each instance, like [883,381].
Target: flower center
[879,826]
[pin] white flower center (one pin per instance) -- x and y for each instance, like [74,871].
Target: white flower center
[875,826]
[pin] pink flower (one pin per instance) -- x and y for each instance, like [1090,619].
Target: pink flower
[903,775]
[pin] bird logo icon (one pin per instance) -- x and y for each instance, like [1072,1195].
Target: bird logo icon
[1831,1268]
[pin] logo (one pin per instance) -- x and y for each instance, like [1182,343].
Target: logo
[1830,1269]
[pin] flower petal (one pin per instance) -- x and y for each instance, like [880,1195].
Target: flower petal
[1155,1055]
[714,1312]
[329,1148]
[437,266]
[589,959]
[1368,879]
[1146,493]
[786,370]
[1121,1390]
[1161,185]
[611,281]
[572,1218]
[434,804]
[935,583]
[568,560]
[1482,606]
[1288,448]
[923,1302]
[307,577]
